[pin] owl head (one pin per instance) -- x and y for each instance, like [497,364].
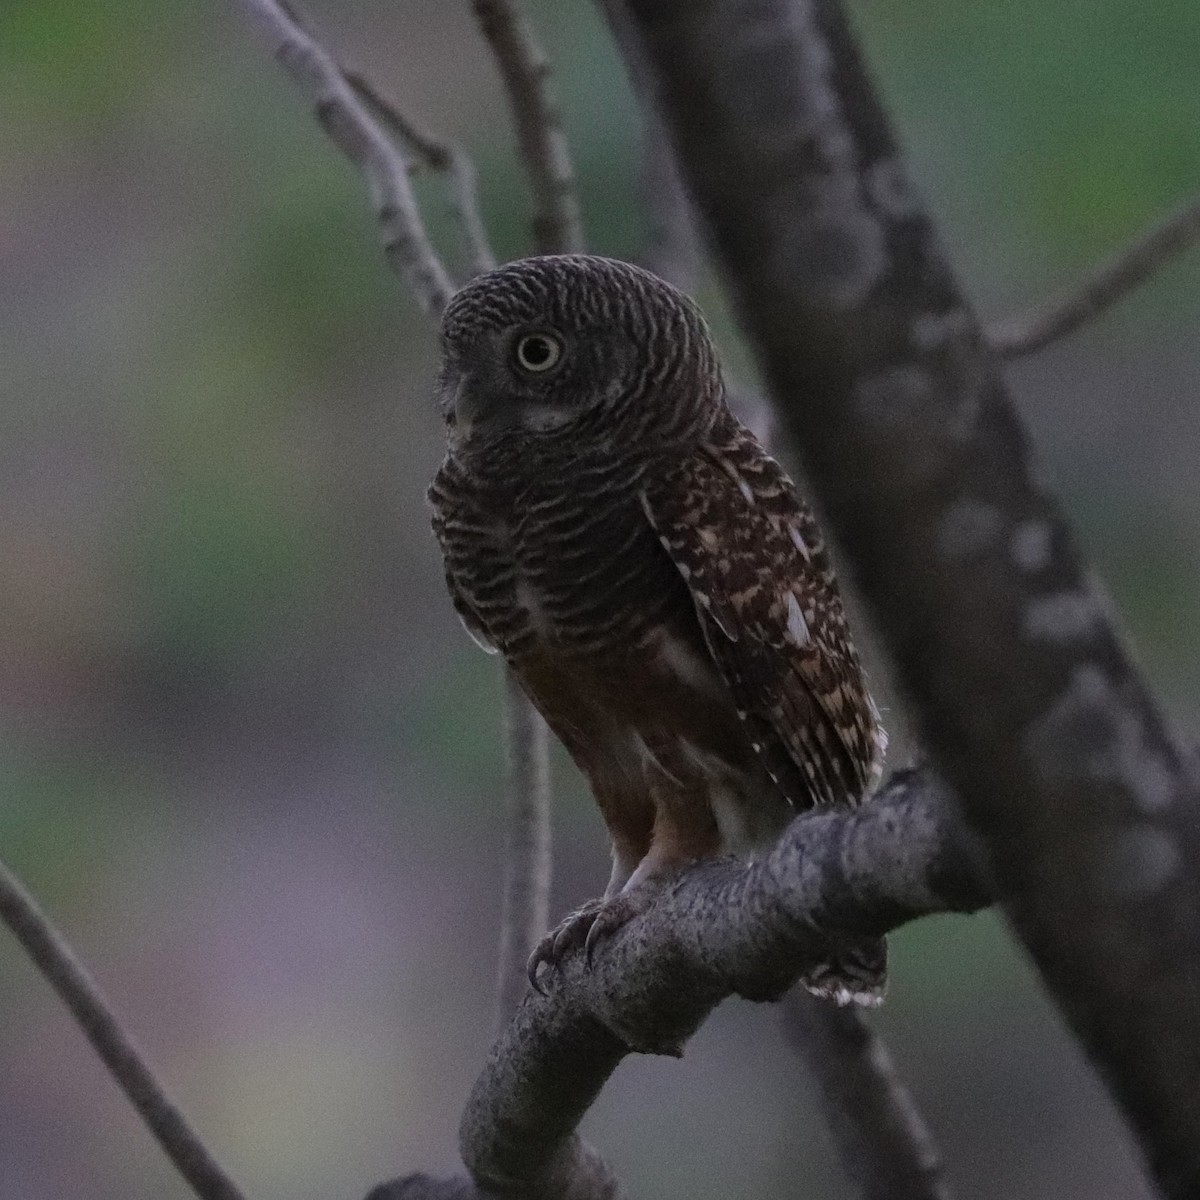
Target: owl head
[575,352]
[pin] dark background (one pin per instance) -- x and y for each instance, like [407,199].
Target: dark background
[247,757]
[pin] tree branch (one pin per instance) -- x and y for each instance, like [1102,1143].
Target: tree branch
[360,121]
[1135,263]
[672,250]
[557,224]
[56,962]
[557,229]
[883,1143]
[1024,692]
[441,155]
[722,928]
[527,859]
[348,120]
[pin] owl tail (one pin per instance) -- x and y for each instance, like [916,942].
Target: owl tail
[856,974]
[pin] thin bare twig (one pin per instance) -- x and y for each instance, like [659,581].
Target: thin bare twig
[527,859]
[354,129]
[558,229]
[56,962]
[1144,257]
[441,155]
[883,1143]
[557,224]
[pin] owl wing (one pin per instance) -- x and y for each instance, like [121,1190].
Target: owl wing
[764,591]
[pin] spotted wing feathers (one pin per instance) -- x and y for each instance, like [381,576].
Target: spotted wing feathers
[768,602]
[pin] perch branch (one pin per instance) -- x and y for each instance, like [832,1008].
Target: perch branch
[1131,266]
[557,224]
[1025,694]
[56,962]
[722,928]
[883,1143]
[349,121]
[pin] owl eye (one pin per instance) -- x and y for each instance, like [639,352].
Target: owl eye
[538,353]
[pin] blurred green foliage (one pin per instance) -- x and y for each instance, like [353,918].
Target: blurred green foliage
[1070,124]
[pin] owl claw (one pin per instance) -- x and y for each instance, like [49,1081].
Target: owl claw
[615,913]
[570,932]
[587,926]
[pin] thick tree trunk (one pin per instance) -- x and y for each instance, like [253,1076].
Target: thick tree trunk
[1023,690]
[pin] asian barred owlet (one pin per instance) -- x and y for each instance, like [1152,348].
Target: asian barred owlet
[649,574]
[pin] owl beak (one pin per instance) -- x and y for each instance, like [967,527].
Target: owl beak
[469,405]
[476,405]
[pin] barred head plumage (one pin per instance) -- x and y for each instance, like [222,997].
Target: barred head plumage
[575,350]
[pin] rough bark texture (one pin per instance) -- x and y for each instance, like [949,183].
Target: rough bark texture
[722,928]
[1023,689]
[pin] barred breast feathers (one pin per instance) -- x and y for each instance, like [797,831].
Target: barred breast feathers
[571,562]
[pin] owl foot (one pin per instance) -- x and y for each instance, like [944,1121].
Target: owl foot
[587,926]
[855,974]
[570,932]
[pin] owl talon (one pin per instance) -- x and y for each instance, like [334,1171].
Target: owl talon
[531,971]
[587,926]
[615,913]
[570,932]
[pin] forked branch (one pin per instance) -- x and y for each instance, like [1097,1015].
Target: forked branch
[350,119]
[441,155]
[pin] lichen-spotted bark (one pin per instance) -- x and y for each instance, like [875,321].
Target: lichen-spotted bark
[881,375]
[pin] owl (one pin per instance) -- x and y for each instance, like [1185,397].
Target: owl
[650,575]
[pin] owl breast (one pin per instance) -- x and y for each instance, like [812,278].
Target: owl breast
[566,563]
[569,581]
